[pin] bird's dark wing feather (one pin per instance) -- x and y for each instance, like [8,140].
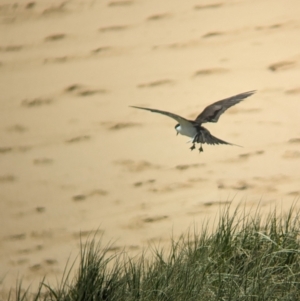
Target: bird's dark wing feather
[179,119]
[213,112]
[206,137]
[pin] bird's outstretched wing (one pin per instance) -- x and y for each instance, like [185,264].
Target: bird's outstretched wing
[213,112]
[206,137]
[182,121]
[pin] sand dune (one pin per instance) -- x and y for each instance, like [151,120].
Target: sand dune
[74,157]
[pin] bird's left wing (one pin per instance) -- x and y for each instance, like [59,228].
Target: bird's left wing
[179,119]
[212,112]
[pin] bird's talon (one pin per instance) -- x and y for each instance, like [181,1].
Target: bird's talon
[200,149]
[192,147]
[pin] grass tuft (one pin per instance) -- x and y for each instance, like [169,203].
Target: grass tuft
[246,257]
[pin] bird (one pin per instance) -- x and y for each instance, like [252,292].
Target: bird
[194,128]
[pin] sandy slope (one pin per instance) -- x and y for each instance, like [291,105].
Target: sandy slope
[75,158]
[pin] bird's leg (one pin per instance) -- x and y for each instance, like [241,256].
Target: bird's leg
[202,139]
[194,141]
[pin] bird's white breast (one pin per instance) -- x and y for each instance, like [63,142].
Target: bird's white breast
[189,131]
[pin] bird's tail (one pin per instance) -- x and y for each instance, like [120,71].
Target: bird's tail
[204,136]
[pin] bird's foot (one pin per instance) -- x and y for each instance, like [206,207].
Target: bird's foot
[192,147]
[201,149]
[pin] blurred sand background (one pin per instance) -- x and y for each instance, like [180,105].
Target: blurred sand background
[75,158]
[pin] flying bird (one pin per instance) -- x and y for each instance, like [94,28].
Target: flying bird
[194,128]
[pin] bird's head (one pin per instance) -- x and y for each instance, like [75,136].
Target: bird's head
[177,128]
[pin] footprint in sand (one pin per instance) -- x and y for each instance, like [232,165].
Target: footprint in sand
[43,266]
[177,45]
[59,59]
[36,102]
[154,218]
[158,17]
[55,9]
[280,66]
[141,221]
[116,126]
[79,198]
[11,48]
[243,157]
[197,180]
[113,28]
[188,166]
[35,267]
[89,92]
[142,183]
[268,184]
[55,37]
[17,128]
[19,236]
[211,71]
[123,125]
[88,233]
[294,193]
[5,150]
[83,197]
[114,248]
[171,187]
[272,26]
[247,155]
[50,261]
[218,203]
[40,209]
[240,185]
[73,88]
[120,3]
[42,161]
[14,11]
[30,5]
[156,83]
[8,178]
[137,166]
[213,34]
[78,139]
[208,6]
[83,91]
[103,49]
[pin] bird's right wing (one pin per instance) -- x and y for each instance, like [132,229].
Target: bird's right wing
[182,121]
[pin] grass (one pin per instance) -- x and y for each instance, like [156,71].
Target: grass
[246,257]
